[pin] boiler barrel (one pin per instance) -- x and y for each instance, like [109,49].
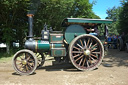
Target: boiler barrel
[40,45]
[37,45]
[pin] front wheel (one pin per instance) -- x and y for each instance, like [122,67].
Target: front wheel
[24,62]
[86,52]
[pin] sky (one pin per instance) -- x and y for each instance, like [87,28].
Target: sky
[102,5]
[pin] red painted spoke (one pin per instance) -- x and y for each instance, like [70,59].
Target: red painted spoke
[92,58]
[90,45]
[26,68]
[93,46]
[77,52]
[20,57]
[84,61]
[28,57]
[87,63]
[81,43]
[85,44]
[79,58]
[88,42]
[94,55]
[76,48]
[96,52]
[81,61]
[30,65]
[21,66]
[24,55]
[37,54]
[94,49]
[79,46]
[76,55]
[30,60]
[18,60]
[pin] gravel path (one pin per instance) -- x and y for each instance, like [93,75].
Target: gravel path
[113,71]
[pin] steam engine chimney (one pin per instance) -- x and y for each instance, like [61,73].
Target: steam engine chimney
[30,20]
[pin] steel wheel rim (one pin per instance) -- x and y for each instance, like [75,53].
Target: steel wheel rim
[80,59]
[24,62]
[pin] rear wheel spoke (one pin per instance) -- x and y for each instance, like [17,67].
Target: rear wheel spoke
[93,46]
[94,49]
[80,61]
[96,52]
[85,44]
[81,43]
[87,63]
[90,45]
[77,52]
[94,56]
[84,61]
[76,55]
[79,58]
[88,42]
[76,48]
[80,46]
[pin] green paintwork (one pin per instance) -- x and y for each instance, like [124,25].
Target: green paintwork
[58,52]
[56,38]
[43,45]
[85,20]
[57,45]
[82,20]
[72,31]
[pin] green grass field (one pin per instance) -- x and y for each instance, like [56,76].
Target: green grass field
[4,57]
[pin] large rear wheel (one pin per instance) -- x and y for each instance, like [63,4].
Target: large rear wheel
[24,62]
[86,52]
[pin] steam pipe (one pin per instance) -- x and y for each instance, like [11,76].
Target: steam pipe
[30,20]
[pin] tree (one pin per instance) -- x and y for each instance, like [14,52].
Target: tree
[113,14]
[12,20]
[53,12]
[123,17]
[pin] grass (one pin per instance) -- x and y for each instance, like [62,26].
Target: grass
[4,57]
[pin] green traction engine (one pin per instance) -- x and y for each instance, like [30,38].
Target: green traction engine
[76,45]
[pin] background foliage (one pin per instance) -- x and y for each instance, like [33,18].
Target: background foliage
[14,22]
[120,17]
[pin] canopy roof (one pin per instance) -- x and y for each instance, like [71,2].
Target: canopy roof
[85,22]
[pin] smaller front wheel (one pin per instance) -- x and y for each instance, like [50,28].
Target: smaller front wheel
[24,62]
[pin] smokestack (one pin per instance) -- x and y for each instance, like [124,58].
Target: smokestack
[30,21]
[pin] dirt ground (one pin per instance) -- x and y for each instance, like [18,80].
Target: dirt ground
[112,71]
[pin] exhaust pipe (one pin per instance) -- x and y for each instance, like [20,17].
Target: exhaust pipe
[30,21]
